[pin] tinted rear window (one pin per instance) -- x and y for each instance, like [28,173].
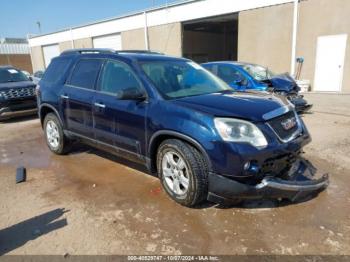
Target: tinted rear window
[56,69]
[85,73]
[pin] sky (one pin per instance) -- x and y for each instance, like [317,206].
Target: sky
[19,17]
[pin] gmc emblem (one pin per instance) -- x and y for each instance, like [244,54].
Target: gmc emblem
[289,123]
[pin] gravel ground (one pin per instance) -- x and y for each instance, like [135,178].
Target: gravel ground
[92,203]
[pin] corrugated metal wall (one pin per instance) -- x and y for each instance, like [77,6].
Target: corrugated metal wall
[14,48]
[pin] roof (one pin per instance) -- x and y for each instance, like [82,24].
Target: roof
[237,63]
[107,51]
[142,55]
[151,57]
[9,40]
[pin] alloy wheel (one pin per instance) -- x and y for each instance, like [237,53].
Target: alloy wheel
[175,173]
[52,134]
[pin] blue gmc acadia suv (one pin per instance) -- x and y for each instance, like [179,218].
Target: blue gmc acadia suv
[203,139]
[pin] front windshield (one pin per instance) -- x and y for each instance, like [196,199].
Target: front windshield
[12,75]
[175,79]
[259,73]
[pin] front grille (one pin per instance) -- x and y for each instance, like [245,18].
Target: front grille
[285,134]
[18,92]
[278,165]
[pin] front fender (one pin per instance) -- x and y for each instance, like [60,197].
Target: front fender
[170,120]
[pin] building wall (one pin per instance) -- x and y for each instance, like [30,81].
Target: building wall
[83,43]
[318,18]
[21,61]
[265,36]
[133,39]
[37,58]
[169,13]
[65,46]
[166,38]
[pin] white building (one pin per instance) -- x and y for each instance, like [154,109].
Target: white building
[268,32]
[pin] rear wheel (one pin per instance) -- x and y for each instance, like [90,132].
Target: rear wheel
[55,138]
[183,172]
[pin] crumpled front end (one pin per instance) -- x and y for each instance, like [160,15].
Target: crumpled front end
[301,181]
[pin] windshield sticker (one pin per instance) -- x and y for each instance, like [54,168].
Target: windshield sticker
[12,71]
[195,65]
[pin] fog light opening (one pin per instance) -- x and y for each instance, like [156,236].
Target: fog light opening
[246,165]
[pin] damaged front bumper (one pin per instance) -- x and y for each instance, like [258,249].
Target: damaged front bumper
[295,186]
[301,105]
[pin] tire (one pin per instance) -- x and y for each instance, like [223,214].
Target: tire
[173,177]
[57,142]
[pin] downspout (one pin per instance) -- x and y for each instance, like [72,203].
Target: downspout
[294,36]
[30,54]
[71,38]
[146,31]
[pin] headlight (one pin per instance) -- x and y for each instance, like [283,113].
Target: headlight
[236,130]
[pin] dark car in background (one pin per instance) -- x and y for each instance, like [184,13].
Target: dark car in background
[202,139]
[251,77]
[17,93]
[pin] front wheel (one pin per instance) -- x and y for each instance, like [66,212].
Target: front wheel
[55,138]
[183,172]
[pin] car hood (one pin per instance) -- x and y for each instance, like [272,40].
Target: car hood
[11,85]
[284,82]
[244,105]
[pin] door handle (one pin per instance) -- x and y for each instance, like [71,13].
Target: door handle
[100,105]
[64,96]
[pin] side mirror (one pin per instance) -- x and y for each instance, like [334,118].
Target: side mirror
[30,78]
[131,93]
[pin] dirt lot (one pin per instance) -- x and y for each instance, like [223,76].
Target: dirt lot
[92,203]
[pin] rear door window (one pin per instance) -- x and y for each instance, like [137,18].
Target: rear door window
[85,73]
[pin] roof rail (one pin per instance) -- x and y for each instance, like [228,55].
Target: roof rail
[106,51]
[140,52]
[89,51]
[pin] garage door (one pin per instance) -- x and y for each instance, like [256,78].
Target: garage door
[110,41]
[50,51]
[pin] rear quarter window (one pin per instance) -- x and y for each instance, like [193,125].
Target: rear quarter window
[56,69]
[85,73]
